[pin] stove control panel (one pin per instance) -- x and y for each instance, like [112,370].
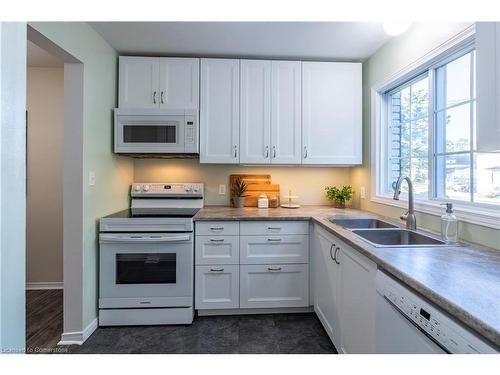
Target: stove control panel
[165,189]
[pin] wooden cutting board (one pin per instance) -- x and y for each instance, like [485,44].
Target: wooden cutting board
[257,184]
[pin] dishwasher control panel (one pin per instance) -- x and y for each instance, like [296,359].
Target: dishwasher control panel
[441,329]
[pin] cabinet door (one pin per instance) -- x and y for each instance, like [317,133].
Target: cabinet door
[138,82]
[217,287]
[357,301]
[286,109]
[326,285]
[255,105]
[271,286]
[219,111]
[331,113]
[179,83]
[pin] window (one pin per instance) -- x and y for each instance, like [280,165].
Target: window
[430,136]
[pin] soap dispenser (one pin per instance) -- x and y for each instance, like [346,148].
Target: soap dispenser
[449,225]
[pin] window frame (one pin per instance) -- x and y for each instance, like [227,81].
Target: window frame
[473,212]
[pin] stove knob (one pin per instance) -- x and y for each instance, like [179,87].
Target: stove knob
[145,188]
[137,188]
[196,189]
[188,189]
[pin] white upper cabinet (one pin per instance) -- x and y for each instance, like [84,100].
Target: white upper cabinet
[158,82]
[488,86]
[255,106]
[286,110]
[331,113]
[219,111]
[179,83]
[139,82]
[270,123]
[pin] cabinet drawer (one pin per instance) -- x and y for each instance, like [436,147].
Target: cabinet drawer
[269,286]
[217,250]
[274,227]
[217,287]
[212,228]
[274,249]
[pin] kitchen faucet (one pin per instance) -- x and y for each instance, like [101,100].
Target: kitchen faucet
[409,216]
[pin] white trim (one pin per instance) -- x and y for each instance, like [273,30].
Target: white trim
[45,285]
[78,338]
[467,213]
[472,215]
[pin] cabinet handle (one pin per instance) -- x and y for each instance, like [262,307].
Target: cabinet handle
[154,97]
[331,249]
[335,255]
[161,98]
[305,152]
[216,269]
[274,151]
[267,152]
[235,151]
[274,239]
[217,228]
[219,240]
[274,268]
[274,228]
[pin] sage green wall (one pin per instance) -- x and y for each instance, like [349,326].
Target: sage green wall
[392,57]
[112,172]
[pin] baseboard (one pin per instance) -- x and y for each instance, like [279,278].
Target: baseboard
[253,311]
[78,338]
[45,285]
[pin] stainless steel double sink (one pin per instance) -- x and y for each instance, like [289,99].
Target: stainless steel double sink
[382,234]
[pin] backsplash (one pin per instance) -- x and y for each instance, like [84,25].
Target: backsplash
[306,182]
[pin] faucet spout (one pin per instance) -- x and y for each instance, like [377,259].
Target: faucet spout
[411,220]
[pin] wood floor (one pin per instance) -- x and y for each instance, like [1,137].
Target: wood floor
[44,320]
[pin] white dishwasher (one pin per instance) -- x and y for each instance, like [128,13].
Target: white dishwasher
[407,324]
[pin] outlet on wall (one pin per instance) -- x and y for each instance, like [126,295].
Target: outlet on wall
[362,192]
[222,189]
[91,178]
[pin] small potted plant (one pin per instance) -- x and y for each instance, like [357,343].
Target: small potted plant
[239,189]
[339,196]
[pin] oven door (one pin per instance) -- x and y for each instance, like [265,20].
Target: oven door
[145,270]
[150,133]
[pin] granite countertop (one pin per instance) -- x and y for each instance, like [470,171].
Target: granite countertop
[462,280]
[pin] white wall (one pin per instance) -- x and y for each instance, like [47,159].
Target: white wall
[44,213]
[12,184]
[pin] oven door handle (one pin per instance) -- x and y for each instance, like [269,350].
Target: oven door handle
[112,238]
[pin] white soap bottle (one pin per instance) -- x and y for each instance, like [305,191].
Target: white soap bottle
[449,225]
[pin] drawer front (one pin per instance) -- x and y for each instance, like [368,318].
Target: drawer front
[217,287]
[273,227]
[217,228]
[270,286]
[217,250]
[274,249]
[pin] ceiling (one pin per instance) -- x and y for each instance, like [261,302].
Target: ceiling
[38,57]
[348,41]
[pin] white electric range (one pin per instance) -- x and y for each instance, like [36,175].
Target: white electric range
[146,256]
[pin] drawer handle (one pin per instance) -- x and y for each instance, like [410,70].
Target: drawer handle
[217,228]
[219,240]
[216,269]
[274,239]
[274,268]
[335,255]
[274,228]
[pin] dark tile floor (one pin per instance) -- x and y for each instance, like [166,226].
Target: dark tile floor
[265,334]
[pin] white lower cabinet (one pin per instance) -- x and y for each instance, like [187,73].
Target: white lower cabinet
[274,249]
[217,249]
[217,287]
[344,298]
[271,286]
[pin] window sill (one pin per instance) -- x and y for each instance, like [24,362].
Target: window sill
[474,215]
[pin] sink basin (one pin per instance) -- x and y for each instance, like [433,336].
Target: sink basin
[361,223]
[397,238]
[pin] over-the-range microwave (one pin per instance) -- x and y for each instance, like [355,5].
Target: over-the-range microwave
[156,131]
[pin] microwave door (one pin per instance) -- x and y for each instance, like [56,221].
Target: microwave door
[144,135]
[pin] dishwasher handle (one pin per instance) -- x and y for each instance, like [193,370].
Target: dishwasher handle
[143,238]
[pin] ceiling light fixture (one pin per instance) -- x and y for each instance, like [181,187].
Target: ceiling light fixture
[396,28]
